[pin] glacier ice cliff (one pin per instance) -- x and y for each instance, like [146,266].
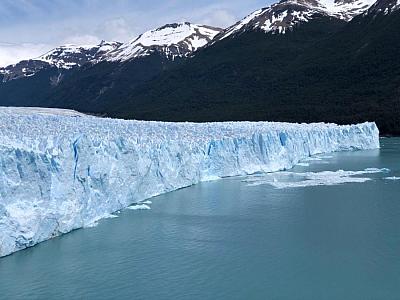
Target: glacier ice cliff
[61,170]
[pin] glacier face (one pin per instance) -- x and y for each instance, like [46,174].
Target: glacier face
[61,171]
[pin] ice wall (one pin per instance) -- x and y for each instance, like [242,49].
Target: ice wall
[63,171]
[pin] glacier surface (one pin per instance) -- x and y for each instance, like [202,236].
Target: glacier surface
[61,171]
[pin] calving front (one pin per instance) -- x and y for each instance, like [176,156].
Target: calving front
[61,171]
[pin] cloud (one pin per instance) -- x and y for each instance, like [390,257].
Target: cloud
[116,29]
[85,39]
[220,18]
[13,53]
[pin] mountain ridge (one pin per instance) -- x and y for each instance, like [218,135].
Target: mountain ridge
[63,57]
[172,40]
[277,17]
[286,14]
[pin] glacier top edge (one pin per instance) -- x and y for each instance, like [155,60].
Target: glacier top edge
[19,125]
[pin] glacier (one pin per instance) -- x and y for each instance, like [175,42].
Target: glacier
[62,170]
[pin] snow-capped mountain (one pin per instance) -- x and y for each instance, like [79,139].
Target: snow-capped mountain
[171,40]
[63,57]
[69,56]
[284,15]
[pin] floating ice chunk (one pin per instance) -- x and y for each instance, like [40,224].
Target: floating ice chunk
[95,222]
[139,207]
[324,156]
[312,159]
[392,178]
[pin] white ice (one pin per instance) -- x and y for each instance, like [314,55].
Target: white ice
[139,207]
[392,178]
[63,171]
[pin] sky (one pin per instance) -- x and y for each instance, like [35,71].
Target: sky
[29,28]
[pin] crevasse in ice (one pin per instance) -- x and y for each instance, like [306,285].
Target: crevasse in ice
[61,170]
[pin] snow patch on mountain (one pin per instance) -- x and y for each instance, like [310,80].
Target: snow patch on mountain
[172,40]
[61,171]
[346,9]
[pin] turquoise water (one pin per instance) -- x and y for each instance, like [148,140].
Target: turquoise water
[240,238]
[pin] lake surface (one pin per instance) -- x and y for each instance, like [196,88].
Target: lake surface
[302,234]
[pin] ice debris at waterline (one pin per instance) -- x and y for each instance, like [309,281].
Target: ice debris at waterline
[392,178]
[63,171]
[284,180]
